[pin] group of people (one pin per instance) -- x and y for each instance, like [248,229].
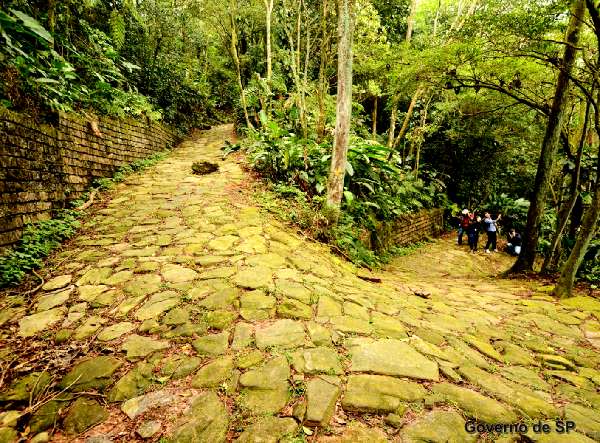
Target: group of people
[472,225]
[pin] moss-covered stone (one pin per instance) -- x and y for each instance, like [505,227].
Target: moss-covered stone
[379,393]
[520,398]
[133,383]
[214,344]
[206,421]
[438,427]
[26,387]
[282,333]
[92,373]
[474,404]
[393,357]
[138,346]
[268,428]
[179,366]
[214,373]
[32,324]
[321,397]
[115,331]
[83,414]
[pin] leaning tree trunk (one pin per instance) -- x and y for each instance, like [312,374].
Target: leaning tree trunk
[552,258]
[393,118]
[322,75]
[236,62]
[335,184]
[528,254]
[303,121]
[586,233]
[404,127]
[410,22]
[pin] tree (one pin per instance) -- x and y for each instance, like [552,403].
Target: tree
[335,184]
[552,257]
[565,283]
[526,259]
[411,20]
[269,13]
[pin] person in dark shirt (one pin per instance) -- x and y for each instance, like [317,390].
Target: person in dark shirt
[463,224]
[514,242]
[473,232]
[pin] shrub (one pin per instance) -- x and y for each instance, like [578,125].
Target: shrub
[376,188]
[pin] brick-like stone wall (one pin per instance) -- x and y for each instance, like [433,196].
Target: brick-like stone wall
[407,229]
[44,166]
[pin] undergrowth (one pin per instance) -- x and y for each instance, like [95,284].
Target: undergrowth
[42,237]
[378,187]
[294,206]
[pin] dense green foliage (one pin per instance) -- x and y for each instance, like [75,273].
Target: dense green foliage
[478,79]
[38,240]
[450,99]
[377,188]
[114,58]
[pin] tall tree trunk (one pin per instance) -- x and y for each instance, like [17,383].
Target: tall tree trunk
[437,18]
[322,68]
[52,15]
[419,140]
[526,259]
[236,62]
[410,22]
[393,118]
[461,5]
[404,128]
[586,233]
[467,15]
[552,257]
[335,184]
[303,120]
[374,117]
[269,12]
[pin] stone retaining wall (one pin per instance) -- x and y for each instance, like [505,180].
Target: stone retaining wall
[408,229]
[44,166]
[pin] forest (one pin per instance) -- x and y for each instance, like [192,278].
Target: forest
[379,107]
[243,220]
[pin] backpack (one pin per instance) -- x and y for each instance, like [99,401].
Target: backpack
[465,222]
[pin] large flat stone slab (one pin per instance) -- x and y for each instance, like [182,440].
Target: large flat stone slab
[282,333]
[136,406]
[92,373]
[206,421]
[138,346]
[157,304]
[393,357]
[53,300]
[268,429]
[214,373]
[437,427]
[32,324]
[57,282]
[379,393]
[477,406]
[321,397]
[520,397]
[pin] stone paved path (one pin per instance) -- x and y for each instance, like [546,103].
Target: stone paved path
[182,313]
